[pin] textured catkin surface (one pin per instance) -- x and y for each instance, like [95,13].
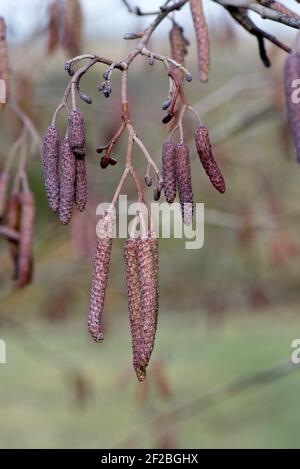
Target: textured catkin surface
[148,292]
[4,178]
[12,220]
[3,65]
[50,166]
[202,38]
[81,191]
[67,181]
[169,174]
[207,159]
[291,73]
[133,294]
[26,231]
[76,131]
[99,284]
[178,45]
[184,182]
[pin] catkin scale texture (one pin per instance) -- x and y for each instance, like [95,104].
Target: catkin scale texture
[26,231]
[291,73]
[202,38]
[184,182]
[99,284]
[80,185]
[4,178]
[67,181]
[76,132]
[50,167]
[207,159]
[169,171]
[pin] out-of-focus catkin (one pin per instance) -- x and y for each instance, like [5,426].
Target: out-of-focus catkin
[178,44]
[76,132]
[291,73]
[4,178]
[12,220]
[202,38]
[184,182]
[50,167]
[67,181]
[25,262]
[169,171]
[3,65]
[207,159]
[81,191]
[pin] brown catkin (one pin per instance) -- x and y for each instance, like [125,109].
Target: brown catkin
[202,38]
[99,284]
[4,178]
[134,307]
[67,181]
[184,182]
[178,45]
[76,132]
[169,171]
[207,159]
[80,185]
[291,73]
[12,220]
[26,231]
[3,64]
[148,298]
[50,167]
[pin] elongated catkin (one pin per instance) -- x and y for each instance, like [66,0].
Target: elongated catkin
[178,44]
[25,262]
[291,73]
[207,159]
[169,171]
[202,38]
[4,178]
[12,220]
[50,167]
[3,65]
[67,181]
[81,191]
[184,182]
[76,132]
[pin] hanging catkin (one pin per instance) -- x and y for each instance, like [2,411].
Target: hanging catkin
[80,185]
[207,159]
[26,231]
[4,178]
[202,38]
[178,44]
[134,307]
[184,182]
[12,220]
[291,73]
[76,132]
[99,281]
[67,181]
[3,64]
[50,167]
[169,171]
[148,298]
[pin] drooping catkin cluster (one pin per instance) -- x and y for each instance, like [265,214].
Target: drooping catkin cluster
[169,171]
[142,279]
[100,278]
[64,167]
[291,73]
[202,38]
[179,44]
[3,65]
[207,159]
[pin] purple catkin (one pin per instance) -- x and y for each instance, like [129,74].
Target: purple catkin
[291,73]
[67,181]
[207,158]
[24,271]
[148,300]
[184,182]
[76,132]
[169,171]
[99,284]
[80,185]
[50,166]
[4,178]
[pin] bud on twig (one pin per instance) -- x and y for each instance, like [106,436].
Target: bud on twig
[50,166]
[207,159]
[169,171]
[184,182]
[67,181]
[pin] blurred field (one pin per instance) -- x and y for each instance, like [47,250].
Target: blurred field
[227,311]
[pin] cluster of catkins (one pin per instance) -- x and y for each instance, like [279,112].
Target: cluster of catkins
[292,73]
[64,167]
[142,280]
[17,214]
[177,171]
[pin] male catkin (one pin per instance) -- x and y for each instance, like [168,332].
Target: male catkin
[207,159]
[81,192]
[178,44]
[4,178]
[50,167]
[291,73]
[184,182]
[76,132]
[67,181]
[169,171]
[26,231]
[12,220]
[202,38]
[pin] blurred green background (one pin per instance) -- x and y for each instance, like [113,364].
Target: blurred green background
[227,311]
